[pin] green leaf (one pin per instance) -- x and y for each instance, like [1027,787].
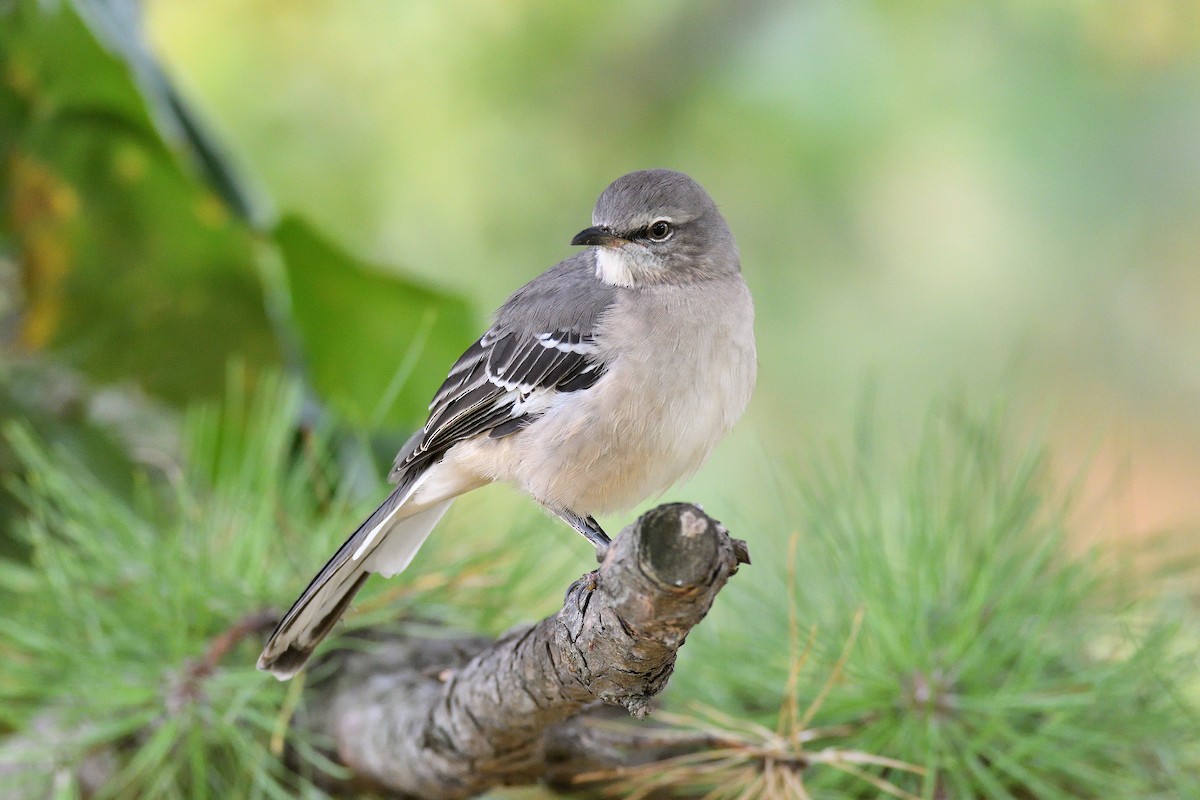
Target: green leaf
[117,25]
[377,344]
[131,266]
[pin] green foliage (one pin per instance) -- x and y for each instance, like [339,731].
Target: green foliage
[107,626]
[988,655]
[121,630]
[137,256]
[51,405]
[131,267]
[375,346]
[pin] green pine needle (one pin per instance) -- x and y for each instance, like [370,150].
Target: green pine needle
[988,657]
[136,624]
[929,636]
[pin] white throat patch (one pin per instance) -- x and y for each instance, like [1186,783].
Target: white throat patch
[612,267]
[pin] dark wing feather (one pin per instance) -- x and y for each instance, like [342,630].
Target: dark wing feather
[481,393]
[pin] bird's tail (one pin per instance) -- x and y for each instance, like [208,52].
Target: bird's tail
[385,543]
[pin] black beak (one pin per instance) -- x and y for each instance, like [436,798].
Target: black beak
[598,234]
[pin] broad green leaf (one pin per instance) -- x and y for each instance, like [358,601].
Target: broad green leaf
[132,268]
[377,344]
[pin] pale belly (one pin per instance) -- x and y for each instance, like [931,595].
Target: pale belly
[631,445]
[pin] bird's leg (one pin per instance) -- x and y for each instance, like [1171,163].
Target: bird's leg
[587,527]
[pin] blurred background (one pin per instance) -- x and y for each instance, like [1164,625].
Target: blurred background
[987,199]
[991,206]
[980,200]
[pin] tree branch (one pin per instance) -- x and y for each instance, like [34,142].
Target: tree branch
[450,718]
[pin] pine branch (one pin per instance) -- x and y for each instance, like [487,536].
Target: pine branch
[451,718]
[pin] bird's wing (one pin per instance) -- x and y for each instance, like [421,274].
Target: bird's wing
[504,381]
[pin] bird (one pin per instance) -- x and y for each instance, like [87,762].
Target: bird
[599,384]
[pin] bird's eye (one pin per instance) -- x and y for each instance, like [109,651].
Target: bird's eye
[660,231]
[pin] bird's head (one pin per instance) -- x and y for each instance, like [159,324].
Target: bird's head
[658,227]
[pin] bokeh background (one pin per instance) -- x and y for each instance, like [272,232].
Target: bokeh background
[965,211]
[978,199]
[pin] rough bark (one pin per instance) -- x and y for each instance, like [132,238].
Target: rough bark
[449,718]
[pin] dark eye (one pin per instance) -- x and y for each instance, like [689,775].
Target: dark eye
[660,231]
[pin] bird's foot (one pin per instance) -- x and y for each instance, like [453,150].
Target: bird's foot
[588,528]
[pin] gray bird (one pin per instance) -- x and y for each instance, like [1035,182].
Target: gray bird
[601,382]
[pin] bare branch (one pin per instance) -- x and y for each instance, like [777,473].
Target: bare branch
[448,718]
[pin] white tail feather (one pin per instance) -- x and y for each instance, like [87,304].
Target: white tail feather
[314,614]
[402,541]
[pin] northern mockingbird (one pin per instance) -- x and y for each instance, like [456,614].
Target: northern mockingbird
[601,382]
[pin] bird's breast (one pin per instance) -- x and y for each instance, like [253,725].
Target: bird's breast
[681,368]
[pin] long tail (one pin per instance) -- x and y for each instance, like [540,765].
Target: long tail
[385,543]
